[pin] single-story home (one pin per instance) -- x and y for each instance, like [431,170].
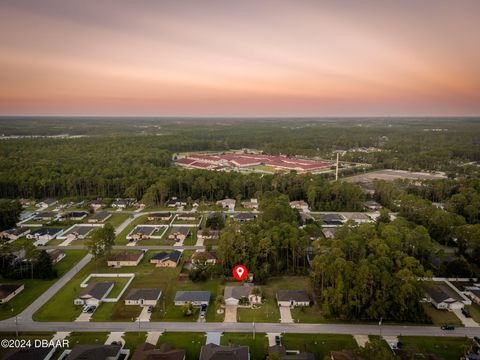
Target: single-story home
[94,294]
[96,204]
[147,351]
[372,206]
[208,235]
[9,291]
[196,298]
[474,294]
[233,352]
[166,259]
[97,352]
[292,298]
[443,297]
[56,255]
[243,217]
[142,232]
[280,350]
[233,294]
[252,204]
[228,204]
[46,203]
[73,216]
[143,296]
[15,233]
[179,233]
[46,216]
[160,216]
[122,203]
[174,202]
[332,219]
[186,216]
[125,259]
[79,232]
[300,205]
[44,234]
[100,217]
[207,257]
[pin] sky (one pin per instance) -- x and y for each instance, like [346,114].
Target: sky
[240,58]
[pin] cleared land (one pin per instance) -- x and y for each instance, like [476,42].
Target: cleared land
[391,175]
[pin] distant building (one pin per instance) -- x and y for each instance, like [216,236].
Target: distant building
[186,216]
[44,234]
[228,204]
[160,216]
[46,216]
[179,233]
[175,202]
[122,203]
[207,257]
[372,206]
[243,217]
[46,203]
[279,349]
[443,297]
[56,255]
[97,352]
[252,204]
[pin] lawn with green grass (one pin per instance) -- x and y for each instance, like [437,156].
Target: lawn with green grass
[117,219]
[442,347]
[77,338]
[121,239]
[118,284]
[35,287]
[258,347]
[474,311]
[134,339]
[319,344]
[191,342]
[440,317]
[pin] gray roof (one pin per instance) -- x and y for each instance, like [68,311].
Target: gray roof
[45,231]
[441,292]
[181,230]
[243,216]
[295,295]
[191,296]
[164,256]
[230,352]
[80,230]
[283,353]
[144,230]
[97,290]
[17,231]
[27,353]
[46,214]
[237,292]
[101,215]
[144,293]
[94,352]
[160,214]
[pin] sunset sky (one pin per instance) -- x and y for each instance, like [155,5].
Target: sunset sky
[240,58]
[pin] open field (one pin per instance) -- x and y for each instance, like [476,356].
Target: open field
[319,344]
[191,342]
[391,175]
[35,287]
[444,348]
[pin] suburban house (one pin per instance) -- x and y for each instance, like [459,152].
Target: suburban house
[30,353]
[46,216]
[474,294]
[208,234]
[94,294]
[73,216]
[179,233]
[292,298]
[100,217]
[97,352]
[231,352]
[299,205]
[160,216]
[228,204]
[46,203]
[147,351]
[143,296]
[443,297]
[280,350]
[9,291]
[78,232]
[252,204]
[186,216]
[43,234]
[196,298]
[207,257]
[121,203]
[332,219]
[166,259]
[243,217]
[56,255]
[142,232]
[358,217]
[233,294]
[14,234]
[372,206]
[125,259]
[329,233]
[174,202]
[306,218]
[96,204]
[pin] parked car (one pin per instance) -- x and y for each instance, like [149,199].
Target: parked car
[277,340]
[202,316]
[150,309]
[203,307]
[466,313]
[447,327]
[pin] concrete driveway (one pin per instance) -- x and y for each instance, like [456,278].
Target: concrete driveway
[144,315]
[285,315]
[468,322]
[84,317]
[230,313]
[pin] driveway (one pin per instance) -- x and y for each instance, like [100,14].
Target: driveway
[271,338]
[144,315]
[84,317]
[285,315]
[468,322]
[230,313]
[115,336]
[213,338]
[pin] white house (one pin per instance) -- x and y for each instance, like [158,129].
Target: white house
[233,294]
[443,297]
[292,298]
[94,294]
[196,298]
[227,204]
[143,297]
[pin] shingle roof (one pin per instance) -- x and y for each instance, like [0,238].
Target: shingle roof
[7,289]
[237,292]
[101,215]
[144,293]
[191,296]
[97,290]
[164,256]
[440,293]
[295,295]
[45,231]
[126,256]
[94,352]
[230,352]
[147,351]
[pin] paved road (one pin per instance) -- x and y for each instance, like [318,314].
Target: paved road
[125,247]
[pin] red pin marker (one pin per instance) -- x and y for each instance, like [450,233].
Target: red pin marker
[240,272]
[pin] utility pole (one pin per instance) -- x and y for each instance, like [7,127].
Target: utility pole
[336,169]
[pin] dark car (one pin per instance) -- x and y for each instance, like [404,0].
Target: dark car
[447,327]
[477,339]
[150,309]
[466,313]
[203,307]
[277,340]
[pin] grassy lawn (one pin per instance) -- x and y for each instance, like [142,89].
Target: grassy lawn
[119,284]
[190,342]
[117,218]
[133,340]
[444,347]
[25,336]
[121,239]
[474,311]
[258,348]
[35,287]
[319,344]
[440,317]
[76,338]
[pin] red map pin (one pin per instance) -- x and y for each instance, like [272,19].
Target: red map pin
[240,272]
